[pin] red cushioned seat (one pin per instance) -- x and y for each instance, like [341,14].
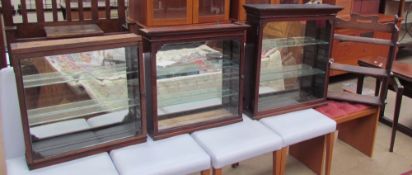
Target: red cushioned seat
[335,109]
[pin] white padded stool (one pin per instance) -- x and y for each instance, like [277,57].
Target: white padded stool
[100,164]
[14,143]
[306,134]
[171,156]
[237,142]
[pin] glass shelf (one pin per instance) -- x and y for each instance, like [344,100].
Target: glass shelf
[41,116]
[285,72]
[193,96]
[291,42]
[108,73]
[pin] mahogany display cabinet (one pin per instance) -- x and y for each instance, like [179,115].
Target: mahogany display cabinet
[194,77]
[79,96]
[149,13]
[287,66]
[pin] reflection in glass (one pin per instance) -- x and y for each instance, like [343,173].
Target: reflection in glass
[211,7]
[170,9]
[197,82]
[293,62]
[82,99]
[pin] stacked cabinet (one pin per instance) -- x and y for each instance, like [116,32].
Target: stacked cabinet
[194,77]
[151,13]
[288,65]
[79,96]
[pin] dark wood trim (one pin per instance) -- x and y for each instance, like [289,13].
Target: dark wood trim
[3,58]
[199,126]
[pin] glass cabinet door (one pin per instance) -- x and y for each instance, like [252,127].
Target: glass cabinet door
[197,82]
[169,9]
[211,11]
[294,58]
[211,7]
[79,100]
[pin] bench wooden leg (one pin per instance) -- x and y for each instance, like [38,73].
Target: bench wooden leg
[279,161]
[360,133]
[310,153]
[217,171]
[205,172]
[330,142]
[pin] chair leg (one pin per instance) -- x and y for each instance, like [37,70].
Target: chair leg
[359,86]
[396,118]
[205,172]
[217,171]
[330,142]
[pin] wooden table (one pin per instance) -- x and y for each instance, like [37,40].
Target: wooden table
[72,31]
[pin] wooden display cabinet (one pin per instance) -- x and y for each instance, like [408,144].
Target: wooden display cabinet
[290,46]
[194,77]
[79,96]
[150,13]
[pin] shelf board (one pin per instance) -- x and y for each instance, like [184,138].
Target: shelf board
[291,42]
[285,72]
[74,110]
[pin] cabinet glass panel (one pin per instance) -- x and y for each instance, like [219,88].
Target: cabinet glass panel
[197,82]
[81,99]
[169,9]
[211,7]
[294,58]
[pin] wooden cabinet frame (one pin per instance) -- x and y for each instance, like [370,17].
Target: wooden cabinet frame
[155,38]
[22,51]
[258,16]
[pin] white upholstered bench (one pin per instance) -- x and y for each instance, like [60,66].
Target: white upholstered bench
[306,134]
[177,155]
[14,143]
[237,142]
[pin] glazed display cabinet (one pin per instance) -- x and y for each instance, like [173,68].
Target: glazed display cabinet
[290,50]
[149,13]
[79,96]
[194,77]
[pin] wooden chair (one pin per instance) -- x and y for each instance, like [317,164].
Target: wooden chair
[357,120]
[401,83]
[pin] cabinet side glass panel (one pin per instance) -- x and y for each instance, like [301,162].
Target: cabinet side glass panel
[211,7]
[294,58]
[169,9]
[197,82]
[80,100]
